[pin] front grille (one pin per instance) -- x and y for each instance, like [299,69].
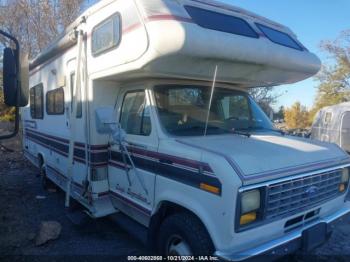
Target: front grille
[296,195]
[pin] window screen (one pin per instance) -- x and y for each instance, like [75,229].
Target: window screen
[78,97]
[55,102]
[221,22]
[106,35]
[135,116]
[36,102]
[279,37]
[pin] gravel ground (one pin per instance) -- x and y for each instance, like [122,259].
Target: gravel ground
[21,214]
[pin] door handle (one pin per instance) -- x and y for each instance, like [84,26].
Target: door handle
[136,145]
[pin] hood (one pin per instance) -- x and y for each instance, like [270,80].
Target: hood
[264,156]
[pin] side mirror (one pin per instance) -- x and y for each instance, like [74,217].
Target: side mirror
[106,124]
[15,74]
[15,78]
[105,120]
[10,76]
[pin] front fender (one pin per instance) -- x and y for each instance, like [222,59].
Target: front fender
[211,209]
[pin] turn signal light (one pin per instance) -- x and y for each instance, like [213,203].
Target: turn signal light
[209,188]
[247,218]
[342,187]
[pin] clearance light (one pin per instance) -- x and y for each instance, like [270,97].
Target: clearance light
[247,218]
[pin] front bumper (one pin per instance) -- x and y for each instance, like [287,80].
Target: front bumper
[289,243]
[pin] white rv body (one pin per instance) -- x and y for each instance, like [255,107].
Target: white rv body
[160,44]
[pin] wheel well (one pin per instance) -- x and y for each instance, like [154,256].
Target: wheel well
[166,209]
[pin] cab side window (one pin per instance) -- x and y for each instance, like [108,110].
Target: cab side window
[135,115]
[36,102]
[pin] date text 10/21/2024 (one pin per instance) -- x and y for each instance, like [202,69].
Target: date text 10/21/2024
[173,258]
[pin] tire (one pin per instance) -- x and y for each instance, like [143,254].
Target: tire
[183,234]
[45,182]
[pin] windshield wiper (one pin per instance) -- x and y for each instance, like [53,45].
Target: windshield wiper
[276,130]
[236,132]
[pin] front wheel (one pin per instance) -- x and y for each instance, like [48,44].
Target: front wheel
[45,182]
[183,234]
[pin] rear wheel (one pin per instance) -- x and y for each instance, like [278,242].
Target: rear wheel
[183,234]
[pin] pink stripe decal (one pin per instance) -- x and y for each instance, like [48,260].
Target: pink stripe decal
[168,17]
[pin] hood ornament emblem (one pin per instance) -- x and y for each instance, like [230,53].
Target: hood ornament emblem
[311,191]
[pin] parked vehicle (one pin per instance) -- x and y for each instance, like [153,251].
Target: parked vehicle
[142,107]
[332,124]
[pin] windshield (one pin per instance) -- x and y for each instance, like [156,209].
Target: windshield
[183,110]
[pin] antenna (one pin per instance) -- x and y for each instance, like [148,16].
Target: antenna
[210,100]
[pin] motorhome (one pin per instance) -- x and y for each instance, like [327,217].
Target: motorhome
[332,124]
[142,108]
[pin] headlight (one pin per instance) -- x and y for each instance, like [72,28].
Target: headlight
[250,201]
[250,206]
[344,180]
[345,175]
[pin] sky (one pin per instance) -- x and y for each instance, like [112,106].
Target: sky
[312,21]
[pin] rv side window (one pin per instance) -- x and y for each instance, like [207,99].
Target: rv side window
[278,37]
[220,22]
[328,118]
[55,102]
[36,102]
[106,35]
[78,94]
[135,116]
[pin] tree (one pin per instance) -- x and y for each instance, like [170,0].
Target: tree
[36,23]
[334,78]
[265,97]
[296,116]
[280,113]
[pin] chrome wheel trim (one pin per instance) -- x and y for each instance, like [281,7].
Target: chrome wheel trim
[177,246]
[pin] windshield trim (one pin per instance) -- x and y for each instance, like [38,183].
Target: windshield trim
[244,93]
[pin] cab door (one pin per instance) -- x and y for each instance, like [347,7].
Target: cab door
[133,188]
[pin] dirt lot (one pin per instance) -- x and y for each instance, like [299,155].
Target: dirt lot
[24,205]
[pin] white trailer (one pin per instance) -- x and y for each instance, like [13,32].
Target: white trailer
[141,107]
[332,124]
